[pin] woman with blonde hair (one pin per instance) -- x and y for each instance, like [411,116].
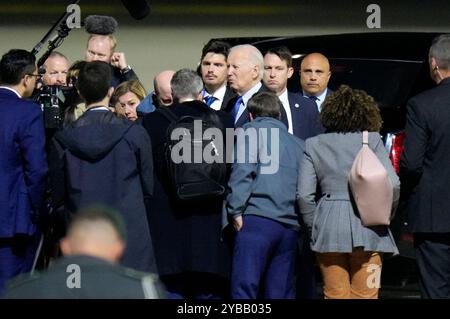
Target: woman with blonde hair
[349,254]
[126,99]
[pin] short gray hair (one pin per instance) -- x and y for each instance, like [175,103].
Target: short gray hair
[440,50]
[186,83]
[57,54]
[254,55]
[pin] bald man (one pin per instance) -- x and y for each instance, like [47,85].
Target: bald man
[56,67]
[161,96]
[314,76]
[93,246]
[162,90]
[245,72]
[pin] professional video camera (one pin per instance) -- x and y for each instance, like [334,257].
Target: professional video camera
[54,100]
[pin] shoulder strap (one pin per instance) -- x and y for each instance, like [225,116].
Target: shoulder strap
[168,114]
[366,138]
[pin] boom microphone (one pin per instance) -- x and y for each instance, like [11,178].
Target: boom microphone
[103,25]
[138,9]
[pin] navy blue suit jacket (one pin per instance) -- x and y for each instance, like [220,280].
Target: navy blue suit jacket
[245,116]
[305,116]
[23,164]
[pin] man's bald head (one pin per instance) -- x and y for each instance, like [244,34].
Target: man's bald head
[95,231]
[245,68]
[314,73]
[162,88]
[56,67]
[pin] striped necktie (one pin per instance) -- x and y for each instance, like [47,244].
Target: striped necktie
[209,99]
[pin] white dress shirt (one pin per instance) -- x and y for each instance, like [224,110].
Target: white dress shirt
[287,108]
[219,95]
[247,95]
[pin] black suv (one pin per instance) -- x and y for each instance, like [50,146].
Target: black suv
[392,67]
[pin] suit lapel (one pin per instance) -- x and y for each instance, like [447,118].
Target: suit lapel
[294,105]
[244,118]
[229,95]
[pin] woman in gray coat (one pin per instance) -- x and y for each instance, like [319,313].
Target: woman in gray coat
[349,254]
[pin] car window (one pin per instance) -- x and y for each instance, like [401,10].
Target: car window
[388,81]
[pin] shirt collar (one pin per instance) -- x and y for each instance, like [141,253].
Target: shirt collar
[247,95]
[219,94]
[12,90]
[284,97]
[321,97]
[98,108]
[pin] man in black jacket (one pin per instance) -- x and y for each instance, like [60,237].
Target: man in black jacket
[101,158]
[192,260]
[92,248]
[101,48]
[425,174]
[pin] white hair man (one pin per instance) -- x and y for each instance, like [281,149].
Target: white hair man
[245,72]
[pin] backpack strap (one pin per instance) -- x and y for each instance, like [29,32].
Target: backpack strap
[365,138]
[168,114]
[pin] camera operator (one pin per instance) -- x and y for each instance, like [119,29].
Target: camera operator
[56,96]
[56,67]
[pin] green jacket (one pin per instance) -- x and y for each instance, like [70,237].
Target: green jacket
[85,277]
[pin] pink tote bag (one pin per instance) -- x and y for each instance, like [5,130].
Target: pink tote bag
[371,187]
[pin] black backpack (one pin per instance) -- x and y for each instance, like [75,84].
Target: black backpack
[191,180]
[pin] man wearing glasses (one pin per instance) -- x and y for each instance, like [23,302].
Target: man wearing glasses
[23,164]
[56,67]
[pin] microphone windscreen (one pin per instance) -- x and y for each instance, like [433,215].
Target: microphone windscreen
[138,9]
[103,25]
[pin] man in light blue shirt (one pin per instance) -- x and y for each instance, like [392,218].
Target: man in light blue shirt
[314,76]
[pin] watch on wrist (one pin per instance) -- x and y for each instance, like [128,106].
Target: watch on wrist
[126,69]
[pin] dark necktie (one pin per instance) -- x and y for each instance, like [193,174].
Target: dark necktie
[209,100]
[314,99]
[236,107]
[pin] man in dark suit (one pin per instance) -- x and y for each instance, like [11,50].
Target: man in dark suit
[301,114]
[245,72]
[301,117]
[23,165]
[92,249]
[314,76]
[425,174]
[214,72]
